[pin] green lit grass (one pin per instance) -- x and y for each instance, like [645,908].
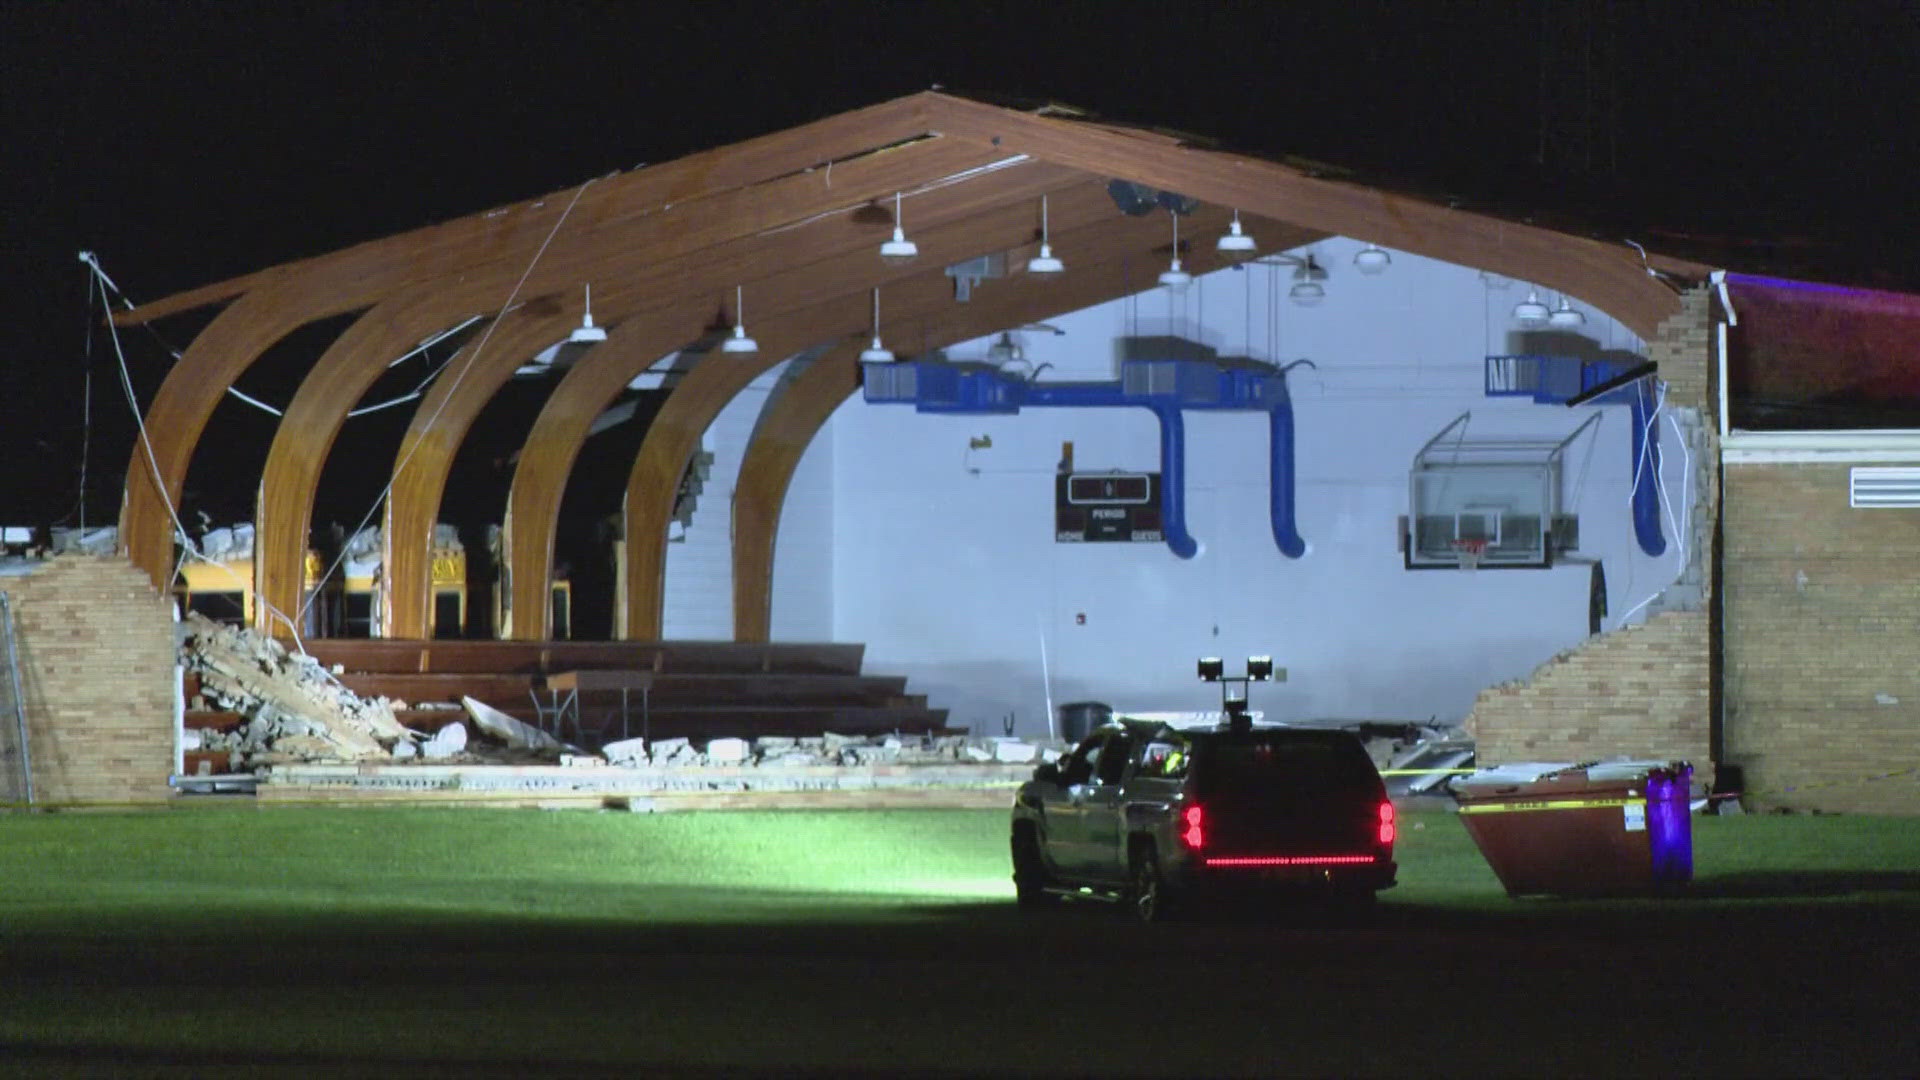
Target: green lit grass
[500,942]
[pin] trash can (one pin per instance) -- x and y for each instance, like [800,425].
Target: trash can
[1594,829]
[1077,718]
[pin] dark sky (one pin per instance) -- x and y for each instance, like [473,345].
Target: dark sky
[188,142]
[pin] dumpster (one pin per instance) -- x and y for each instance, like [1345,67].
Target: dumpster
[1592,829]
[1077,718]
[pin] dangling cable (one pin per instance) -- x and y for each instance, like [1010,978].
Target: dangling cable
[446,398]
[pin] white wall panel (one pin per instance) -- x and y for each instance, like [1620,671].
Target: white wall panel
[944,563]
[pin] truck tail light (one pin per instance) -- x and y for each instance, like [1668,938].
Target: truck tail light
[1193,827]
[1386,822]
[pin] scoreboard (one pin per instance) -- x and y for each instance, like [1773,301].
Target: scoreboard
[1105,507]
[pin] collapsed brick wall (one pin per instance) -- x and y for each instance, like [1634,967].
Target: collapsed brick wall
[1822,685]
[1641,691]
[96,652]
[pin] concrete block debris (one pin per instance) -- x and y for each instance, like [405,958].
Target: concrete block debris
[447,742]
[728,751]
[293,709]
[517,734]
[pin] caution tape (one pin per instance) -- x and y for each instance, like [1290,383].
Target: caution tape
[1547,804]
[1426,772]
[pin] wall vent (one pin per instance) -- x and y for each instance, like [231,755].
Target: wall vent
[1884,487]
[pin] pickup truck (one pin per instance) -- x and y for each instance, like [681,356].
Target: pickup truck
[1157,815]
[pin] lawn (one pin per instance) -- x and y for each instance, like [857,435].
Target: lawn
[383,941]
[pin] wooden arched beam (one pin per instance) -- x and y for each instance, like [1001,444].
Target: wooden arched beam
[1082,216]
[1112,264]
[275,302]
[1609,276]
[693,251]
[984,215]
[440,424]
[603,372]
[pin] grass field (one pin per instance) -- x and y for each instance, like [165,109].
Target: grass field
[482,942]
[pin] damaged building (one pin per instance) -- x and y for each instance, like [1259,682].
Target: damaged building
[1037,409]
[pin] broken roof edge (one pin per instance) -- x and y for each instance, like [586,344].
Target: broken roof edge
[899,121]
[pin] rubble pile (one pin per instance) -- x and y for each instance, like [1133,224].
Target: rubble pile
[793,752]
[293,709]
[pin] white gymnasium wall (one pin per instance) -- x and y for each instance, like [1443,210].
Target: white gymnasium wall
[943,559]
[803,581]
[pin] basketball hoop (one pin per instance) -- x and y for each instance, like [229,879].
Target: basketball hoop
[1468,552]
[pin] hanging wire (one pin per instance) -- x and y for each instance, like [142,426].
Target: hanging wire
[459,377]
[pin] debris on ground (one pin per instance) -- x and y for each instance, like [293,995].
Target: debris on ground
[293,710]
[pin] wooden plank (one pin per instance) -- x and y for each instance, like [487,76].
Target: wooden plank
[541,657]
[282,299]
[1610,276]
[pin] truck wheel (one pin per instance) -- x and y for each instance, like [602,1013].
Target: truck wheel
[1029,871]
[1151,901]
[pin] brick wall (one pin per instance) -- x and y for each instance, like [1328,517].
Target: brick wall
[1640,692]
[1823,641]
[96,650]
[1684,350]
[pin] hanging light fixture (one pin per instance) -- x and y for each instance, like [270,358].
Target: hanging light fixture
[898,251]
[1565,317]
[1372,260]
[1531,312]
[587,333]
[1234,243]
[876,353]
[1044,264]
[739,342]
[1307,276]
[1173,277]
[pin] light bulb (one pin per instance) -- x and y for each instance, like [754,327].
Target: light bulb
[1235,243]
[898,251]
[1531,312]
[1372,260]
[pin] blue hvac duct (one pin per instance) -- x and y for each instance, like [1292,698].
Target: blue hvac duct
[1163,387]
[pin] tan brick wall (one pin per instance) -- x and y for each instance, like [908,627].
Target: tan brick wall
[96,651]
[1684,350]
[1823,641]
[1640,692]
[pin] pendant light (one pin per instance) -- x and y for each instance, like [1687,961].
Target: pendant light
[739,342]
[1173,277]
[587,333]
[1045,264]
[1307,276]
[898,251]
[1565,317]
[1372,260]
[876,353]
[1531,312]
[1234,243]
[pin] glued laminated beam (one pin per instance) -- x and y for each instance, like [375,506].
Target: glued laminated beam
[440,424]
[1609,276]
[722,230]
[1103,268]
[982,216]
[905,307]
[282,299]
[663,307]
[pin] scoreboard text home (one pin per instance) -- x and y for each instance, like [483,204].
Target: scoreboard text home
[1090,507]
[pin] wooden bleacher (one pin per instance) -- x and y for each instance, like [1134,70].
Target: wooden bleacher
[696,689]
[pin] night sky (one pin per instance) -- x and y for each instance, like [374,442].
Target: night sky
[189,142]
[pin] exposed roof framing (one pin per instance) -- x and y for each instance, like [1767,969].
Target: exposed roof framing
[794,217]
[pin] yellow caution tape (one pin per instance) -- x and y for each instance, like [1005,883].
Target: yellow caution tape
[1546,804]
[1426,772]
